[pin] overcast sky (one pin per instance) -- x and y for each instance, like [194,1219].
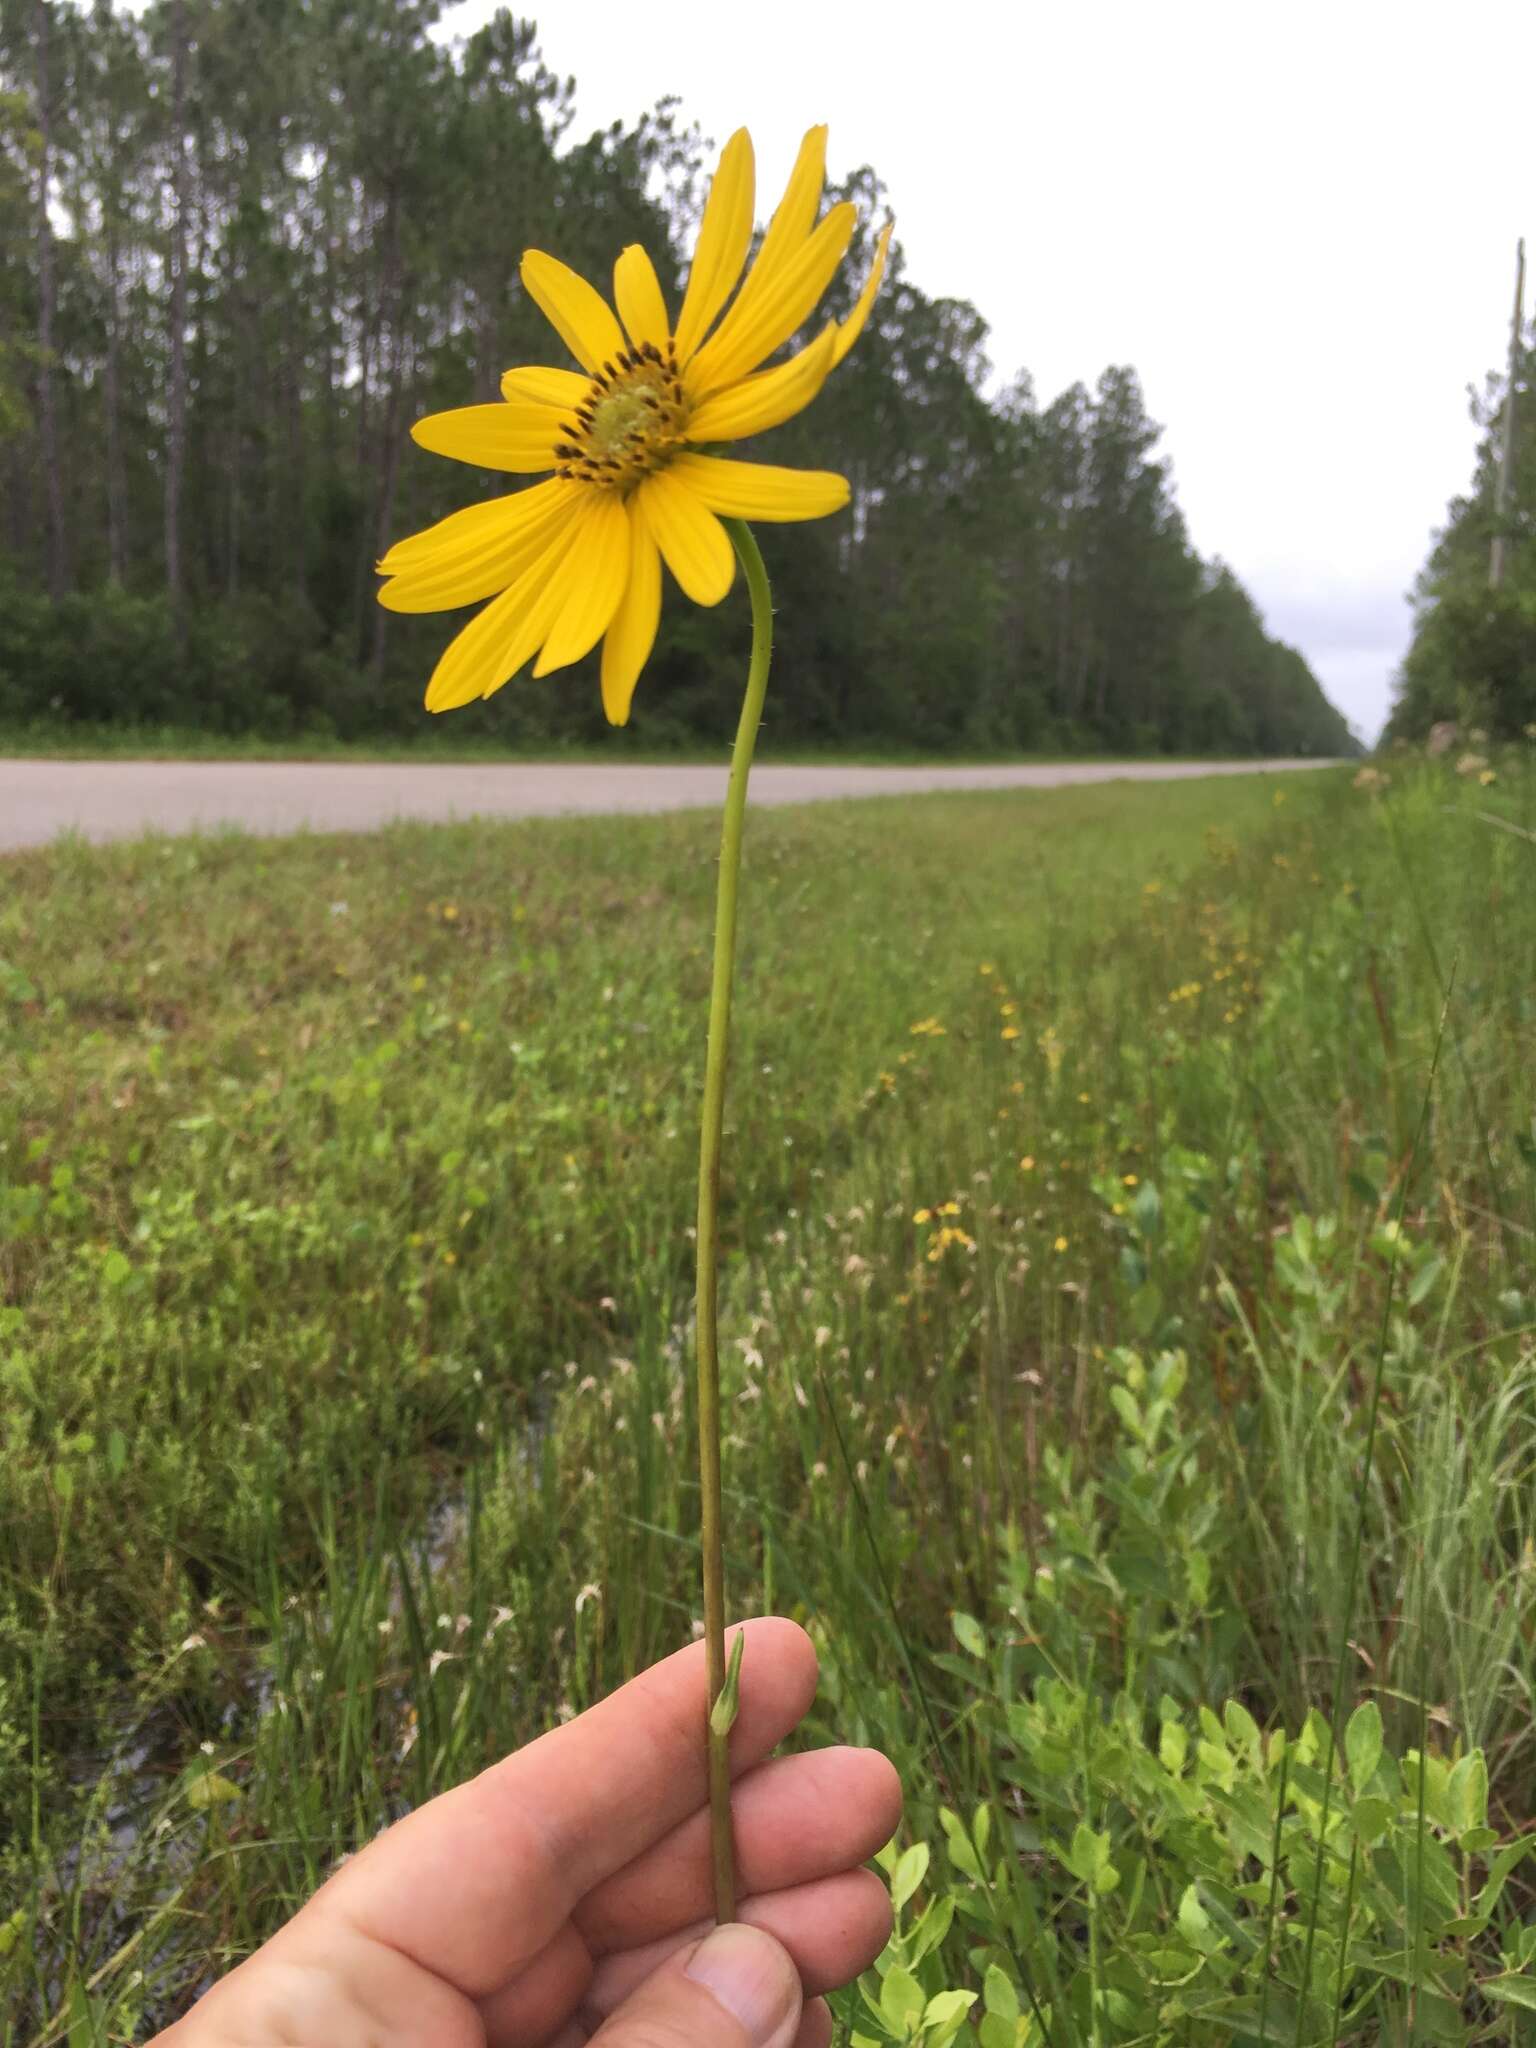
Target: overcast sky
[1298,222]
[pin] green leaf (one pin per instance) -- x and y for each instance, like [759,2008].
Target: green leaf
[1515,1987]
[1371,1818]
[968,1633]
[1363,1743]
[999,1995]
[909,1874]
[1423,1281]
[1088,1853]
[1172,1747]
[1242,1730]
[211,1788]
[1195,1922]
[930,1927]
[1466,1793]
[947,2006]
[901,2001]
[722,1715]
[1499,1870]
[996,2032]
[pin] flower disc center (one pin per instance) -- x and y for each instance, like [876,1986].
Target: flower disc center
[631,423]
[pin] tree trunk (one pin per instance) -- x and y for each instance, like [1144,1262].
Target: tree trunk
[176,411]
[117,484]
[47,417]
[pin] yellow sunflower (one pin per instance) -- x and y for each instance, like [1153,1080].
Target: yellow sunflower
[577,559]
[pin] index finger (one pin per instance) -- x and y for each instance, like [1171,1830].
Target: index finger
[473,1885]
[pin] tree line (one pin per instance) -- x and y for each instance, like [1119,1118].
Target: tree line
[249,241]
[1472,657]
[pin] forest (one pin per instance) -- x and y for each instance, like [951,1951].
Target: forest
[1472,657]
[248,242]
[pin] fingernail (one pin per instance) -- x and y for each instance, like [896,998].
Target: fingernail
[751,1976]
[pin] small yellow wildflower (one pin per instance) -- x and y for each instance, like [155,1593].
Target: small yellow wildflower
[1488,775]
[922,1215]
[986,967]
[948,1209]
[1027,1163]
[1010,1031]
[1128,1180]
[928,1027]
[1060,1244]
[1085,1098]
[450,913]
[1009,1010]
[577,559]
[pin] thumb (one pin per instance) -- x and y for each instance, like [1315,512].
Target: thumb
[736,1989]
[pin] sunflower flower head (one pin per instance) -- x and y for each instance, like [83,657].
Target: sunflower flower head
[577,559]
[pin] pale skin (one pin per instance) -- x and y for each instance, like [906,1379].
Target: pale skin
[566,1890]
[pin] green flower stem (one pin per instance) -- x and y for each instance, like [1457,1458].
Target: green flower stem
[722,1701]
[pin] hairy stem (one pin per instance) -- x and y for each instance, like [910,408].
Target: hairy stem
[722,1696]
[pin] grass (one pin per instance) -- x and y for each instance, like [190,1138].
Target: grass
[344,1206]
[446,741]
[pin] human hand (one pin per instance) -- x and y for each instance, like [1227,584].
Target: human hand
[566,1891]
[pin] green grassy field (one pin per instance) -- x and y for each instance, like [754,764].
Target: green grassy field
[1088,1215]
[442,740]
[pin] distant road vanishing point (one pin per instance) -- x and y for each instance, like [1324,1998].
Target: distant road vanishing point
[119,799]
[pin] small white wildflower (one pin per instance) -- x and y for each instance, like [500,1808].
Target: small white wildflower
[194,1642]
[591,1591]
[802,1399]
[339,907]
[823,1335]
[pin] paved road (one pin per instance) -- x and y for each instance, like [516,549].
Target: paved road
[116,799]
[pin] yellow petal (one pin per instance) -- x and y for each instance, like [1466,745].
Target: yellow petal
[637,294]
[602,572]
[694,544]
[518,437]
[511,629]
[462,530]
[538,386]
[768,399]
[579,315]
[850,329]
[748,337]
[725,235]
[756,490]
[793,217]
[490,559]
[633,632]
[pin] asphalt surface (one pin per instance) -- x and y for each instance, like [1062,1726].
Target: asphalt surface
[119,799]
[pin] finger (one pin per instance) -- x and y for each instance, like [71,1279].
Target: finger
[473,1885]
[815,2025]
[797,1819]
[735,1989]
[833,1929]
